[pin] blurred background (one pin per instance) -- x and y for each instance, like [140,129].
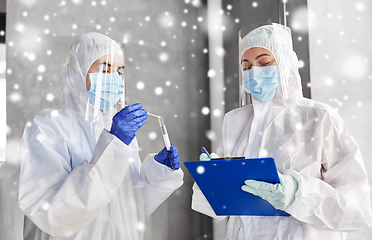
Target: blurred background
[181,63]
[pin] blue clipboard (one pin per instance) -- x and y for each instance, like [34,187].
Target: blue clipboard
[221,180]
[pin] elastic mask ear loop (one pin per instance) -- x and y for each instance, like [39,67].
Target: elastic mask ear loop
[97,99]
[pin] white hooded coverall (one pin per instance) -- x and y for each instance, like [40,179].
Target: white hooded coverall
[78,181]
[309,141]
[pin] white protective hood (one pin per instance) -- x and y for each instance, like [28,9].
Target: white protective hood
[277,39]
[84,51]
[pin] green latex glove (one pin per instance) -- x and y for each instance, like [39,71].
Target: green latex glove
[204,157]
[279,195]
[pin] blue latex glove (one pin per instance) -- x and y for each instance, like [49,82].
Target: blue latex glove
[279,195]
[204,157]
[165,156]
[126,122]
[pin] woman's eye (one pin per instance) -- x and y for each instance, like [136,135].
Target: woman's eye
[120,74]
[246,67]
[265,64]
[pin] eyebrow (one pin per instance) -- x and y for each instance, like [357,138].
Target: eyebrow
[261,55]
[105,63]
[108,64]
[264,54]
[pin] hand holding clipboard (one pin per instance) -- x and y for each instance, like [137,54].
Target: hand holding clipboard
[220,181]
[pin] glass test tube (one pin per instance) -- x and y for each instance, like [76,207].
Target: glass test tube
[164,133]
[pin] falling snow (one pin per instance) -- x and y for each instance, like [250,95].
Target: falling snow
[158,91]
[200,170]
[217,113]
[140,85]
[50,97]
[205,110]
[152,135]
[41,68]
[211,73]
[163,48]
[172,70]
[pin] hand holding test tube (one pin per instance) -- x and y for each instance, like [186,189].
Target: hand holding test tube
[168,155]
[163,130]
[164,133]
[165,137]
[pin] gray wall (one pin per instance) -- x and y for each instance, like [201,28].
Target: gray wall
[3,6]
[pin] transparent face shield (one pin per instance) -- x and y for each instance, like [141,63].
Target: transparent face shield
[269,36]
[122,101]
[106,84]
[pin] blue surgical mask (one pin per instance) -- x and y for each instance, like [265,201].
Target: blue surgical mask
[262,82]
[109,85]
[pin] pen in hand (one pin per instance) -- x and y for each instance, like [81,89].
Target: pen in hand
[206,152]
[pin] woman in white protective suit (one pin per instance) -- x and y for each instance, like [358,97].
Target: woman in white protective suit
[80,172]
[323,182]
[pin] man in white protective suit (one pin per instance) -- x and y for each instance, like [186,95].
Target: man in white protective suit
[80,172]
[323,181]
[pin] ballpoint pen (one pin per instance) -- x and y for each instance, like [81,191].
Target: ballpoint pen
[205,151]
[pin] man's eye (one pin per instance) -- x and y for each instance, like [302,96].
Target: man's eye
[120,74]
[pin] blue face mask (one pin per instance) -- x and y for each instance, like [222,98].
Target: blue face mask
[109,86]
[262,82]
